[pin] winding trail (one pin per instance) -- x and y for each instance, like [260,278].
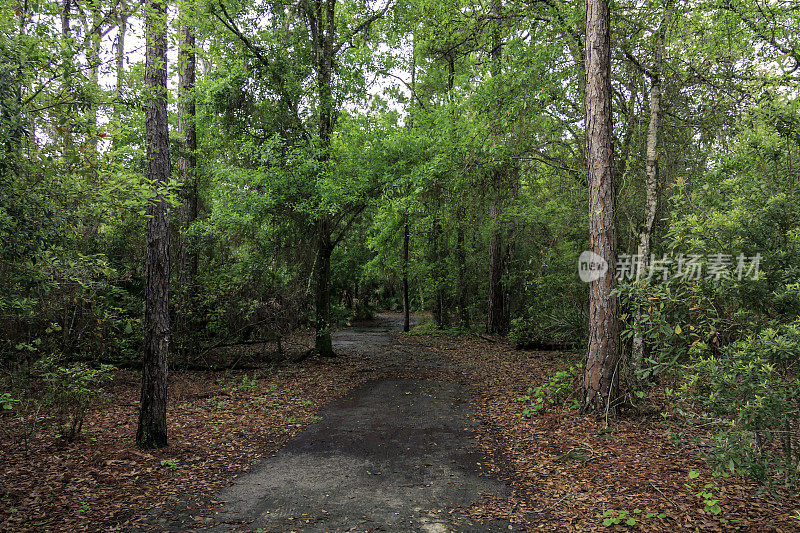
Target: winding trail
[397,454]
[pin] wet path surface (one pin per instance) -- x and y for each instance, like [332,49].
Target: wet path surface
[397,454]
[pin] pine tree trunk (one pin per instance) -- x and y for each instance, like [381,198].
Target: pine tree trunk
[600,377]
[93,58]
[152,430]
[187,172]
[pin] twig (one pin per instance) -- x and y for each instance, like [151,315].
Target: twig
[564,497]
[664,495]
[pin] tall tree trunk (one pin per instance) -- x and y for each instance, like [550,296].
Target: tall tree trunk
[324,35]
[66,35]
[152,430]
[508,256]
[94,31]
[406,303]
[406,312]
[122,27]
[11,103]
[600,377]
[495,319]
[651,184]
[187,159]
[66,11]
[441,313]
[461,259]
[322,294]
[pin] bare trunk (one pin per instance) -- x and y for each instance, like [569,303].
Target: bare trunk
[152,430]
[94,32]
[323,31]
[495,320]
[66,11]
[651,184]
[122,27]
[406,303]
[441,314]
[406,312]
[66,34]
[322,290]
[461,258]
[600,377]
[187,162]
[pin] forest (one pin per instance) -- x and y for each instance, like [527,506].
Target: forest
[399,265]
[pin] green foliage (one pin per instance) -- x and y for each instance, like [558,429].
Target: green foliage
[676,315]
[559,390]
[172,464]
[750,393]
[708,494]
[69,393]
[429,327]
[7,401]
[615,517]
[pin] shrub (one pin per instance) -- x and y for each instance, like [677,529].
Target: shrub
[750,393]
[69,393]
[557,391]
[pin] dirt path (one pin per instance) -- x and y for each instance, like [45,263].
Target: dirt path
[398,454]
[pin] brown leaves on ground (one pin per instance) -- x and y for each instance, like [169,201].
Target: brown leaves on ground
[218,424]
[565,469]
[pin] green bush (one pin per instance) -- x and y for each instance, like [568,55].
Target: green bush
[69,393]
[559,390]
[565,327]
[750,394]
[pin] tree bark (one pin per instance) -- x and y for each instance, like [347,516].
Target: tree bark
[94,32]
[66,35]
[122,27]
[461,259]
[187,159]
[441,314]
[152,430]
[495,318]
[406,312]
[600,377]
[323,32]
[651,184]
[406,303]
[322,295]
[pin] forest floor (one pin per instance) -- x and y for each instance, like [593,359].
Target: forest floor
[475,464]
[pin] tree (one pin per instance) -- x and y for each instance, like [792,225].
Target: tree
[322,36]
[152,430]
[496,320]
[186,256]
[651,178]
[601,377]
